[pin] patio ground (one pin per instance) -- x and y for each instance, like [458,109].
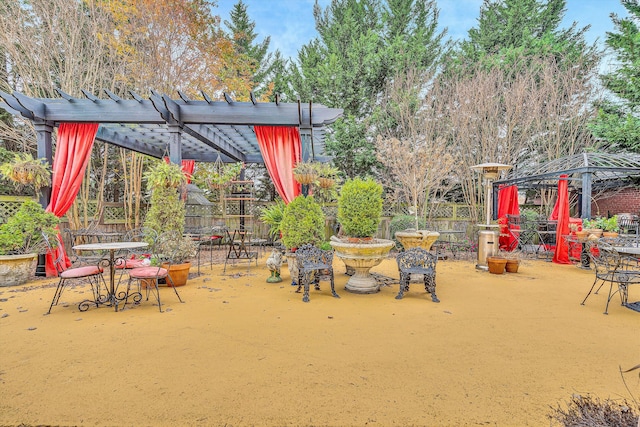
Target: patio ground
[498,350]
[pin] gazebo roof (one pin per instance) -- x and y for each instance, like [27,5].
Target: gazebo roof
[207,128]
[607,170]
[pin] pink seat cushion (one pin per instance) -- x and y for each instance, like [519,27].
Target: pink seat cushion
[147,272]
[74,273]
[130,263]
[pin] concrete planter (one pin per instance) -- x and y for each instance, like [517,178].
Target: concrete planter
[417,239]
[16,269]
[362,257]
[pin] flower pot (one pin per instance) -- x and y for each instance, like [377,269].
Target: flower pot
[362,257]
[512,265]
[496,265]
[16,269]
[595,231]
[179,273]
[610,234]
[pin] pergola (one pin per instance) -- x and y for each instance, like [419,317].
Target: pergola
[182,129]
[589,171]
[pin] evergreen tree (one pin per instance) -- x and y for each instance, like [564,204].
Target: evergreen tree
[266,67]
[509,30]
[617,122]
[361,45]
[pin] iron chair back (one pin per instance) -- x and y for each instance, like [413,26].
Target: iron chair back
[92,273]
[417,261]
[610,266]
[312,262]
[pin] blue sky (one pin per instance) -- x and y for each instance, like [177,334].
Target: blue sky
[290,23]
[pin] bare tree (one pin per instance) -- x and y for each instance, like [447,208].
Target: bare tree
[411,146]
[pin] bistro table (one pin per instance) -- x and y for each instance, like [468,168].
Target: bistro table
[585,261]
[111,299]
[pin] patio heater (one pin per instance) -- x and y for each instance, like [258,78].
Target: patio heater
[488,235]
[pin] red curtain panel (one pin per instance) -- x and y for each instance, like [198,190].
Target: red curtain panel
[507,205]
[281,149]
[73,150]
[561,254]
[187,167]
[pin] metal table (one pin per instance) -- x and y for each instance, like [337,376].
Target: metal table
[111,299]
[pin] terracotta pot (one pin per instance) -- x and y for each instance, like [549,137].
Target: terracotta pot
[611,234]
[496,264]
[179,273]
[595,231]
[582,235]
[512,265]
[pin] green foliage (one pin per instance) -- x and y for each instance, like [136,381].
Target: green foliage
[617,122]
[611,224]
[272,216]
[511,29]
[302,222]
[216,174]
[22,233]
[360,207]
[361,46]
[166,211]
[165,175]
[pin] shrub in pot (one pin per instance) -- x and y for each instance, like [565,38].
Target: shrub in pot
[21,239]
[302,222]
[360,208]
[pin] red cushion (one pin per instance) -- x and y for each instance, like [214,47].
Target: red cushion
[74,273]
[148,272]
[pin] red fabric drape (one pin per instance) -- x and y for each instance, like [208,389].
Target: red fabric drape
[561,253]
[281,150]
[73,150]
[507,205]
[187,167]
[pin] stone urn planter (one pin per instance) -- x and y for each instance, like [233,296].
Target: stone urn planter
[16,269]
[292,264]
[417,238]
[362,257]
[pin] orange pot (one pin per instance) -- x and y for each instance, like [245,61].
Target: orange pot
[496,264]
[179,273]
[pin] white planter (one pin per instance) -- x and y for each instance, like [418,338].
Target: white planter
[362,257]
[417,239]
[16,269]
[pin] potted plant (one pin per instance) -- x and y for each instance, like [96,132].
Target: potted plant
[327,175]
[305,172]
[166,216]
[272,216]
[21,240]
[25,170]
[359,215]
[302,222]
[216,175]
[610,227]
[178,251]
[592,226]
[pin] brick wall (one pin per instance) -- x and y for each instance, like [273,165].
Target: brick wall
[626,200]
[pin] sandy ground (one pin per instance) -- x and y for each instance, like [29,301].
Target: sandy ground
[497,350]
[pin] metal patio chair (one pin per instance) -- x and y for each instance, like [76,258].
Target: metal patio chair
[417,261]
[313,265]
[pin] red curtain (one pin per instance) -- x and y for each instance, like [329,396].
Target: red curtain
[73,150]
[187,167]
[561,254]
[281,150]
[507,205]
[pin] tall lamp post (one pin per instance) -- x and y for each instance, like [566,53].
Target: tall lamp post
[488,239]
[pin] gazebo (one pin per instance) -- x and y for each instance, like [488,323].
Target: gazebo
[183,128]
[589,173]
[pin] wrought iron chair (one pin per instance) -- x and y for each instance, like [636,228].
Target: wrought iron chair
[417,261]
[151,275]
[524,232]
[91,272]
[614,268]
[312,262]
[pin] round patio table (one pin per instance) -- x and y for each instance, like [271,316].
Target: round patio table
[111,299]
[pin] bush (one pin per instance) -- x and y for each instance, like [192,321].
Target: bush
[360,207]
[166,211]
[22,233]
[302,222]
[587,411]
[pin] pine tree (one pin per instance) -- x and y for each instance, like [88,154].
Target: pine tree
[617,122]
[361,45]
[265,66]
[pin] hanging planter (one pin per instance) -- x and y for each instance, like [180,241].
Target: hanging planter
[217,175]
[25,170]
[165,175]
[305,172]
